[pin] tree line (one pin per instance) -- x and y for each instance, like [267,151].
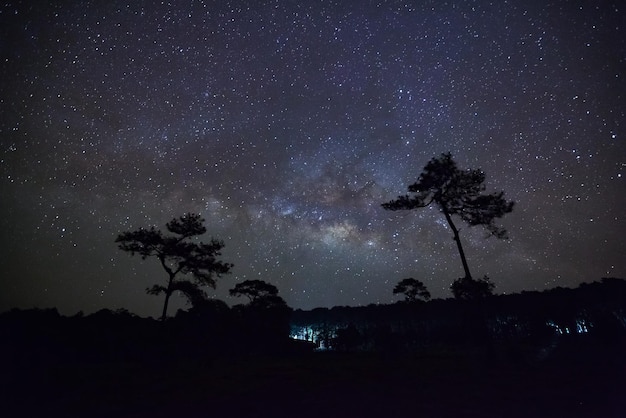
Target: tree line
[528,323]
[525,326]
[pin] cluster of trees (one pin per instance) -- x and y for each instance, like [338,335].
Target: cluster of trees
[533,321]
[209,326]
[530,323]
[462,289]
[192,265]
[208,330]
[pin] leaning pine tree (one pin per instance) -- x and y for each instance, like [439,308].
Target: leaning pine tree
[179,255]
[457,193]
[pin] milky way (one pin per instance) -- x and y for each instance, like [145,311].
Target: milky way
[286,124]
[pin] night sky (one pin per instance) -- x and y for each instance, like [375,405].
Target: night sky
[286,124]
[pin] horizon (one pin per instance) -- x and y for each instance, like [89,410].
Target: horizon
[231,305]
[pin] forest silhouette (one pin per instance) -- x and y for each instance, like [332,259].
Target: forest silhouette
[552,353]
[558,352]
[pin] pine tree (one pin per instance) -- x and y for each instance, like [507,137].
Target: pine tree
[179,255]
[457,193]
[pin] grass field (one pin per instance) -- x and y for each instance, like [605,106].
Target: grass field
[587,380]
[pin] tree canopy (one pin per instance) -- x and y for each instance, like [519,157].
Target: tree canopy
[254,289]
[458,193]
[260,294]
[412,289]
[179,254]
[471,289]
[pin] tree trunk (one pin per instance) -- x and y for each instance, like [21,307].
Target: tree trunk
[167,299]
[458,243]
[168,293]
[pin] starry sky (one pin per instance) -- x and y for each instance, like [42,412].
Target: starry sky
[286,124]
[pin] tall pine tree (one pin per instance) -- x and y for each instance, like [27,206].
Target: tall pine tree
[457,193]
[179,255]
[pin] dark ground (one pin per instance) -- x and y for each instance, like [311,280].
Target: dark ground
[576,380]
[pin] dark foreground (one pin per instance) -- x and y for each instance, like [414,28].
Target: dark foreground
[577,379]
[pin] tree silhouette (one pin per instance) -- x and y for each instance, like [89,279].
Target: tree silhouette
[254,289]
[470,289]
[265,319]
[412,289]
[261,294]
[456,192]
[179,254]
